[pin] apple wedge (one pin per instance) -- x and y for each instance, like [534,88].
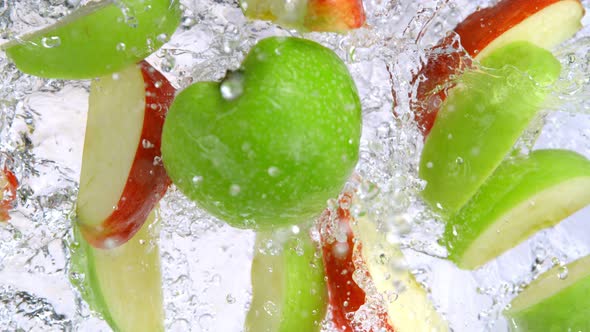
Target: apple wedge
[409,311]
[288,288]
[554,302]
[102,37]
[122,175]
[481,120]
[123,284]
[523,196]
[545,23]
[308,15]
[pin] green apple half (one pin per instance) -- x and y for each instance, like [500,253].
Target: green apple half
[410,309]
[100,38]
[523,196]
[288,289]
[271,143]
[481,120]
[552,303]
[123,284]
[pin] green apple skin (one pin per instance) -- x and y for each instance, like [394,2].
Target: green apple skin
[481,120]
[289,291]
[123,284]
[277,152]
[523,196]
[97,39]
[551,304]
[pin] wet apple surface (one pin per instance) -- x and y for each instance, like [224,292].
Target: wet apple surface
[434,229]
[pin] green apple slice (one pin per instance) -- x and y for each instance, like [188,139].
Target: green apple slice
[411,309]
[481,120]
[289,289]
[524,195]
[99,38]
[123,284]
[553,303]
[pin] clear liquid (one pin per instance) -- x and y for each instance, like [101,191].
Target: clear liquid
[206,264]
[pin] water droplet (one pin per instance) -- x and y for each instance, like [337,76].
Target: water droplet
[146,144]
[273,171]
[158,84]
[295,229]
[51,42]
[230,299]
[233,85]
[141,241]
[429,164]
[162,37]
[116,76]
[562,272]
[459,161]
[234,190]
[270,308]
[197,179]
[121,47]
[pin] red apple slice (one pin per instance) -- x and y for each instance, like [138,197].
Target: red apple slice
[545,23]
[312,15]
[122,174]
[366,249]
[8,185]
[346,296]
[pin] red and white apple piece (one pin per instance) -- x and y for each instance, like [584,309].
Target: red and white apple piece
[124,284]
[339,256]
[545,23]
[8,185]
[311,15]
[556,301]
[99,38]
[367,249]
[122,175]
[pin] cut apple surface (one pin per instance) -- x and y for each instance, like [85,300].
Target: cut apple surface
[122,175]
[481,120]
[545,23]
[123,284]
[408,306]
[524,195]
[288,288]
[100,38]
[308,15]
[556,301]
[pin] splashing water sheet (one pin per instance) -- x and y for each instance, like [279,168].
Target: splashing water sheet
[205,263]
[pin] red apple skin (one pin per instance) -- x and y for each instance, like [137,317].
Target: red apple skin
[476,32]
[147,181]
[8,195]
[335,15]
[339,264]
